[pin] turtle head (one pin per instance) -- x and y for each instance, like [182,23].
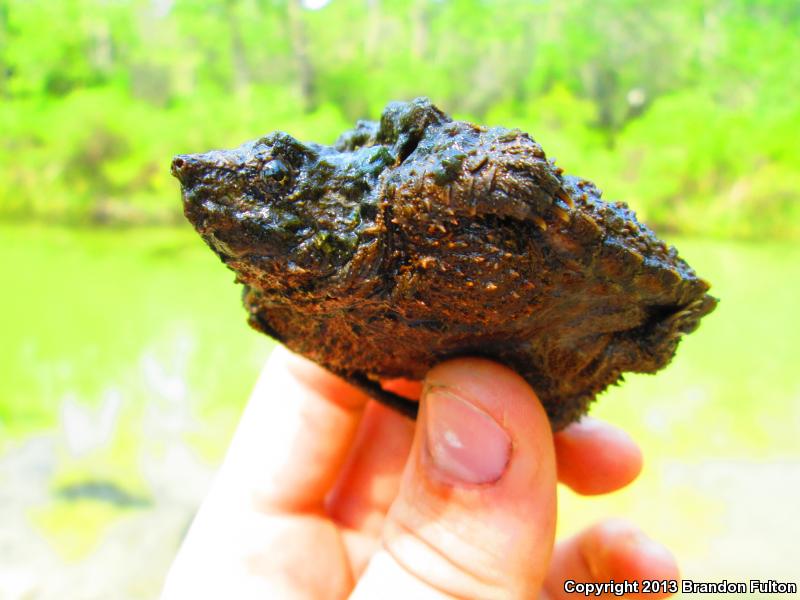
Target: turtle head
[279,209]
[241,200]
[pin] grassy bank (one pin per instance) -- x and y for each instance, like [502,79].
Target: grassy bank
[688,111]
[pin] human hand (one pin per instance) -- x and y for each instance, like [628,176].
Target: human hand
[325,493]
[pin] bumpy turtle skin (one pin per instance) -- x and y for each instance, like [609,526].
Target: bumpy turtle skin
[420,238]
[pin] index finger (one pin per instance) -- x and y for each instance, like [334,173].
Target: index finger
[293,437]
[595,457]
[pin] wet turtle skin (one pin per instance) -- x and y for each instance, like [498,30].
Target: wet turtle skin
[420,238]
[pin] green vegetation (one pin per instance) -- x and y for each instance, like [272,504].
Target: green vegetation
[686,110]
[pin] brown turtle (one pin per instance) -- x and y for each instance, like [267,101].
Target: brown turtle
[421,238]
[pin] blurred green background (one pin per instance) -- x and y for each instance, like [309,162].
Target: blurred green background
[126,358]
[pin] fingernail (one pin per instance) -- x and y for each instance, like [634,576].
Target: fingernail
[464,442]
[651,552]
[619,543]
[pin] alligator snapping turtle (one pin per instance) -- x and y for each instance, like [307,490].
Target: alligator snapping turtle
[421,238]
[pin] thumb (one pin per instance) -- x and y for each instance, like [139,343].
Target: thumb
[475,515]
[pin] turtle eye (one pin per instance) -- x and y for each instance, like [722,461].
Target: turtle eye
[275,171]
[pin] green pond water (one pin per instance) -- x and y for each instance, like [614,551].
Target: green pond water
[146,313]
[102,330]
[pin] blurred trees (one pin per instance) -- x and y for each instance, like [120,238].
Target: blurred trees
[687,110]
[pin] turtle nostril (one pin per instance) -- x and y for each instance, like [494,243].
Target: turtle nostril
[180,167]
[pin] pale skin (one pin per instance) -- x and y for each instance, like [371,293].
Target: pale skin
[325,493]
